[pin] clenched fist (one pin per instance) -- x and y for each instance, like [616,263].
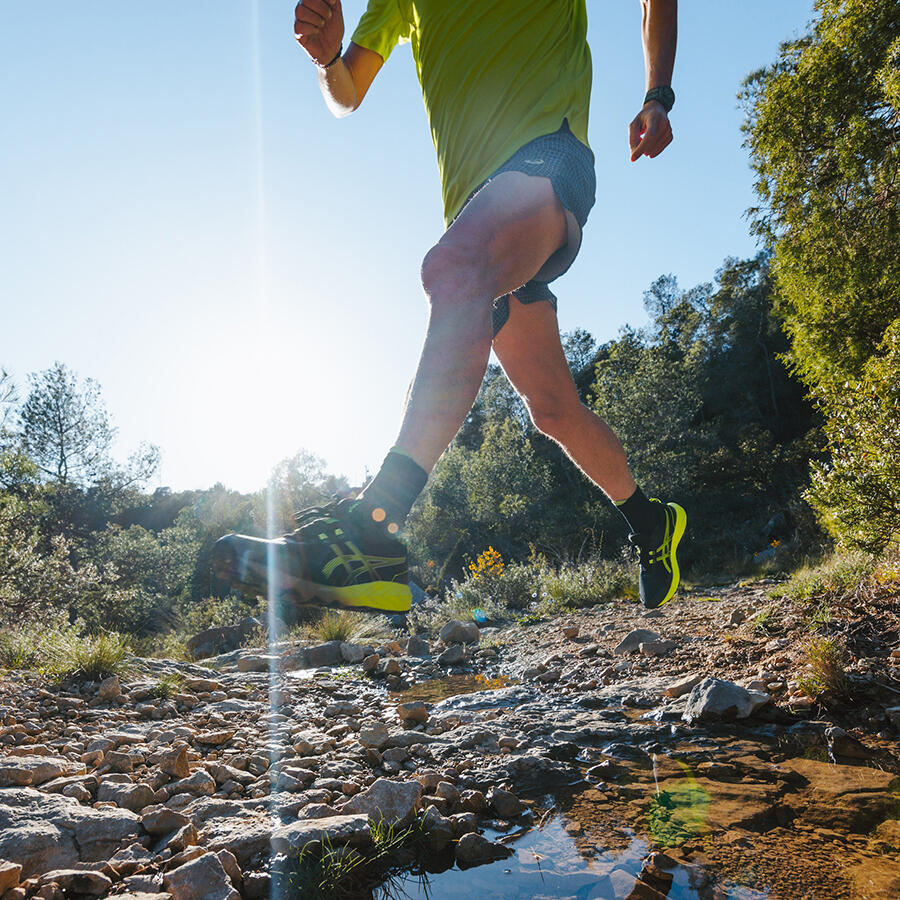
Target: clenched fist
[319,29]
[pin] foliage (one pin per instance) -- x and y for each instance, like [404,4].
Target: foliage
[343,625]
[827,662]
[822,127]
[489,564]
[66,433]
[837,577]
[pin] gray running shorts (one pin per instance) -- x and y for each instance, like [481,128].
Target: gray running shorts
[569,165]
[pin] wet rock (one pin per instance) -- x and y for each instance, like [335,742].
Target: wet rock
[327,654]
[455,632]
[344,829]
[506,804]
[393,801]
[474,849]
[632,641]
[73,881]
[438,827]
[843,744]
[454,655]
[714,698]
[203,878]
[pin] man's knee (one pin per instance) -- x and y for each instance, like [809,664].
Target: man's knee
[454,273]
[553,415]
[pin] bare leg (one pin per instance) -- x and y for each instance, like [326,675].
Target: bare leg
[531,354]
[499,242]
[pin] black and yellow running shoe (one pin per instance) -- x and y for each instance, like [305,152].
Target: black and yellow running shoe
[658,551]
[326,560]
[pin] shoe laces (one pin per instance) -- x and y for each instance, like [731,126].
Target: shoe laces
[649,555]
[306,518]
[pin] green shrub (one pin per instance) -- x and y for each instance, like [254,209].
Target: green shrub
[594,581]
[88,657]
[839,576]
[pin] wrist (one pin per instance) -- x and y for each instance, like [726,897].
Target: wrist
[662,94]
[332,61]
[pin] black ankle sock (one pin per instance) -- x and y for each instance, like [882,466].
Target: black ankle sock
[389,496]
[642,515]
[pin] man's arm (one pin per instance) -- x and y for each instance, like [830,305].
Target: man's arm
[650,132]
[343,80]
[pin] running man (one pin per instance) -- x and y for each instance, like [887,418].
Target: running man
[506,85]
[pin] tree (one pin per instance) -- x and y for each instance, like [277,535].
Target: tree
[823,128]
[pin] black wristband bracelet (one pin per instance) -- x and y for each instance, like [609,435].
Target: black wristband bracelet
[663,95]
[336,57]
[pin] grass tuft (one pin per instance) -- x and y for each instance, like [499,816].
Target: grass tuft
[343,625]
[827,661]
[839,577]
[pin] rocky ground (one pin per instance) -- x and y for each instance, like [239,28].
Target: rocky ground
[685,729]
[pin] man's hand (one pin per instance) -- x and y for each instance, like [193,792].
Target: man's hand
[319,29]
[650,132]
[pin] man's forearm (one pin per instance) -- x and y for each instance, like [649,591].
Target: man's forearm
[338,89]
[659,32]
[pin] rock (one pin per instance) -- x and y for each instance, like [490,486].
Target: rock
[714,698]
[327,654]
[738,617]
[632,641]
[109,689]
[48,831]
[75,881]
[344,829]
[231,867]
[657,648]
[683,686]
[116,761]
[843,744]
[258,662]
[24,770]
[454,655]
[9,875]
[373,733]
[215,738]
[570,632]
[893,713]
[504,803]
[352,653]
[202,685]
[213,641]
[203,878]
[370,662]
[460,633]
[438,827]
[417,646]
[393,801]
[127,796]
[474,849]
[247,837]
[174,762]
[416,711]
[200,783]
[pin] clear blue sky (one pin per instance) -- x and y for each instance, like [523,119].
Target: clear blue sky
[232,325]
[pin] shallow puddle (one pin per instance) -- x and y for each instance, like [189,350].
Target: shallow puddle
[436,689]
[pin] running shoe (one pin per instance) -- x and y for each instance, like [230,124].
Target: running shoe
[658,553]
[326,560]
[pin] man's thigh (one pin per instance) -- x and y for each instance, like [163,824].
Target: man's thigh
[511,227]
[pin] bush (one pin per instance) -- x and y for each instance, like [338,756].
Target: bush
[839,576]
[827,661]
[341,625]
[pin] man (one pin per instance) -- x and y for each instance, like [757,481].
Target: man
[506,85]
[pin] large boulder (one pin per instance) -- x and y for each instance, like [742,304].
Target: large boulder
[212,641]
[337,830]
[460,633]
[393,801]
[203,878]
[42,832]
[714,699]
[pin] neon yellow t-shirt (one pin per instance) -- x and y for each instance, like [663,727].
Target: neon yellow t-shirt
[495,74]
